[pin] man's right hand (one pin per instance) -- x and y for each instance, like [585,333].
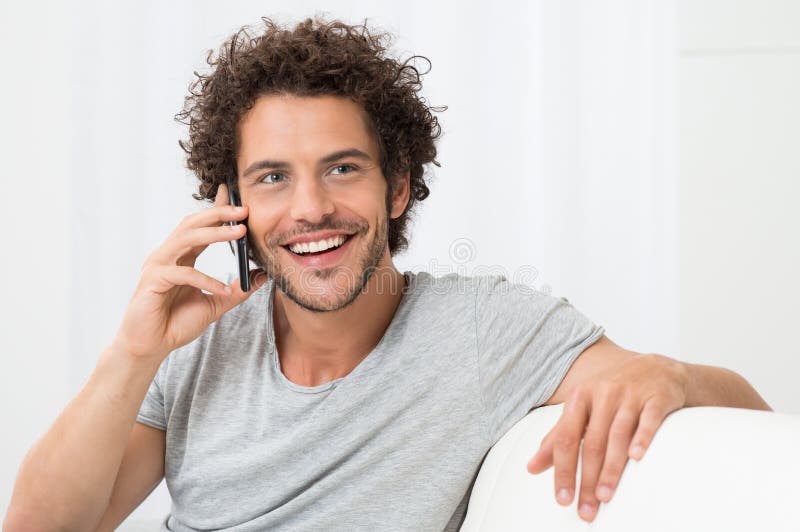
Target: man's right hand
[168,308]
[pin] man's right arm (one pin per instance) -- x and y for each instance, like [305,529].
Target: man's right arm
[65,482]
[67,479]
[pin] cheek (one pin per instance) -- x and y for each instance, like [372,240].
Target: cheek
[263,218]
[367,202]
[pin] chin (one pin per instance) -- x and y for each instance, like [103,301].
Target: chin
[324,296]
[321,291]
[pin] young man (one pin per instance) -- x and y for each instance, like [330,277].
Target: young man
[339,393]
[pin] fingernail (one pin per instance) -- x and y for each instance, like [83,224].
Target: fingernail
[604,493]
[587,510]
[564,496]
[637,451]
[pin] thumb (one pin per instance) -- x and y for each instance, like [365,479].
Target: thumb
[257,280]
[237,296]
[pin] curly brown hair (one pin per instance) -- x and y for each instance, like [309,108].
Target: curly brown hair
[315,58]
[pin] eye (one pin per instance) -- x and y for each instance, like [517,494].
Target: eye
[349,168]
[272,178]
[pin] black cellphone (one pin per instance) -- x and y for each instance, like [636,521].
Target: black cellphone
[240,248]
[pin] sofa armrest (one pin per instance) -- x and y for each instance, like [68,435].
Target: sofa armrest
[708,468]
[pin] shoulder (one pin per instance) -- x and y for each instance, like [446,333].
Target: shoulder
[445,284]
[481,288]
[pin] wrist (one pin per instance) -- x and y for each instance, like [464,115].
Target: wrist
[119,353]
[122,347]
[681,374]
[121,377]
[685,376]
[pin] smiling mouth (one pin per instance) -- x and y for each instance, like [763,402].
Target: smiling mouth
[317,248]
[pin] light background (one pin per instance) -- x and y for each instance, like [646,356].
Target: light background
[637,157]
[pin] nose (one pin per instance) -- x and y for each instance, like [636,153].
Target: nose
[310,201]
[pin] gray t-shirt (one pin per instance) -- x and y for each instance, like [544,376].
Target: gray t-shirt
[394,445]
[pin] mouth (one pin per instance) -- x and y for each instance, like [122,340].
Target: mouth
[319,247]
[322,253]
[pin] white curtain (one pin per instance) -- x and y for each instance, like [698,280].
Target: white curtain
[558,155]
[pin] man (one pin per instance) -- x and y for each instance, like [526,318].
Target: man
[338,393]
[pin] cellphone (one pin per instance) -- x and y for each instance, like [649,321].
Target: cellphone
[239,249]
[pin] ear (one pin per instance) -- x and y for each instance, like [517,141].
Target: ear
[401,194]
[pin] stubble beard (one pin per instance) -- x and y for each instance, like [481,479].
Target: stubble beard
[352,283]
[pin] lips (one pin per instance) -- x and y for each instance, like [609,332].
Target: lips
[318,246]
[321,259]
[316,237]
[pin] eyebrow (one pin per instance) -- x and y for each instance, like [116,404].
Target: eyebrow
[335,156]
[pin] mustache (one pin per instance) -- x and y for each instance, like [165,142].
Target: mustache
[346,226]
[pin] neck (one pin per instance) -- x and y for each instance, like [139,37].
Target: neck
[317,347]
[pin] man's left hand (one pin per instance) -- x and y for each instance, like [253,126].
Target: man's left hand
[617,413]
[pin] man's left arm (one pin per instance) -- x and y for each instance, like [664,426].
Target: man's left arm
[615,400]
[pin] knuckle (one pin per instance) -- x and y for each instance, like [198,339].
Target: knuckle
[644,435]
[619,433]
[580,393]
[627,414]
[587,495]
[593,447]
[186,221]
[565,478]
[587,491]
[658,404]
[565,442]
[640,441]
[148,269]
[609,387]
[611,473]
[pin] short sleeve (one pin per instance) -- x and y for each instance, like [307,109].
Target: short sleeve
[152,411]
[526,342]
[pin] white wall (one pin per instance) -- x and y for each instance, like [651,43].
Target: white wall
[559,161]
[35,150]
[739,190]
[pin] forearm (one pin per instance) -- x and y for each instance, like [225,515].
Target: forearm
[713,386]
[66,479]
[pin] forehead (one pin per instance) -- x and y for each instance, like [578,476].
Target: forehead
[295,126]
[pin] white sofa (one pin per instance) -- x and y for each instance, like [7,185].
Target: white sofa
[708,468]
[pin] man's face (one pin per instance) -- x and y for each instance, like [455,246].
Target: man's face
[309,171]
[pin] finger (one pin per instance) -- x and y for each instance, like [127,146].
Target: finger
[222,195]
[595,442]
[216,215]
[257,280]
[543,459]
[188,245]
[619,438]
[160,279]
[222,303]
[653,415]
[169,253]
[225,302]
[566,443]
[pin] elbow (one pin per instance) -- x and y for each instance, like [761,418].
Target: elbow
[18,520]
[747,395]
[25,519]
[750,396]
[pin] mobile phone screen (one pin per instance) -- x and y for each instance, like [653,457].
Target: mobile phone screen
[240,246]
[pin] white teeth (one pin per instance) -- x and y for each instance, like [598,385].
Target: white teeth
[322,245]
